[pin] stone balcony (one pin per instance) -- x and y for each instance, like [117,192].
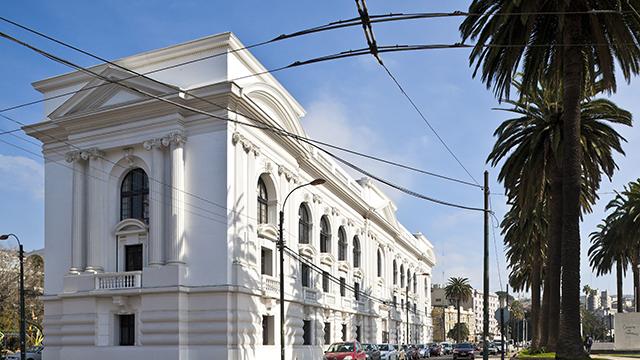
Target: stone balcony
[118,280]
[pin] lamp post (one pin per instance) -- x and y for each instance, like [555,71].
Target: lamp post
[315,182]
[23,350]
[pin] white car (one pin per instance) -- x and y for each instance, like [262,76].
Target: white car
[388,352]
[31,354]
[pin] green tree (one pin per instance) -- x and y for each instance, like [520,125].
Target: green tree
[9,294]
[459,330]
[459,290]
[529,146]
[569,41]
[607,249]
[618,240]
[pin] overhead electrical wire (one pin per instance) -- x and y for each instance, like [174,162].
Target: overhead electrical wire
[196,110]
[144,75]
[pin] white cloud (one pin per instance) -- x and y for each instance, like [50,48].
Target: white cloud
[19,173]
[329,120]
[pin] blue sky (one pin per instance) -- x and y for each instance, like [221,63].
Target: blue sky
[349,102]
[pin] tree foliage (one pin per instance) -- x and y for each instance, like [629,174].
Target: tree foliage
[9,294]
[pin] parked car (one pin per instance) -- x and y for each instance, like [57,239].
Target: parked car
[491,347]
[372,351]
[436,350]
[347,350]
[34,353]
[463,351]
[447,348]
[424,351]
[412,352]
[388,352]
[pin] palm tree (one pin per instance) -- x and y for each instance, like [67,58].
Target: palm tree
[458,289]
[617,239]
[532,176]
[524,238]
[563,40]
[606,249]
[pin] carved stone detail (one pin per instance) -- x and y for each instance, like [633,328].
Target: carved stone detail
[247,145]
[317,199]
[288,174]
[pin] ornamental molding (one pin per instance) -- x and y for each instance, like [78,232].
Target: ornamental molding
[335,211]
[288,174]
[91,153]
[317,199]
[350,222]
[174,138]
[128,156]
[247,145]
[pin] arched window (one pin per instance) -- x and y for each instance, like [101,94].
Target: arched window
[379,263]
[325,235]
[401,275]
[304,224]
[395,272]
[415,283]
[356,252]
[263,203]
[342,244]
[408,279]
[134,196]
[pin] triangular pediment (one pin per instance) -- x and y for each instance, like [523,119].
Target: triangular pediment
[100,94]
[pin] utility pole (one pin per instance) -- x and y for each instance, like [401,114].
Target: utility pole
[485,295]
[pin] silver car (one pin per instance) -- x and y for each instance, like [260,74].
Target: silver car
[34,353]
[388,352]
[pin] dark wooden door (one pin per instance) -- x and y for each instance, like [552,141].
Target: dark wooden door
[133,257]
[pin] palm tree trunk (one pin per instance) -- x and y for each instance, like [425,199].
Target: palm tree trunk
[636,283]
[619,290]
[570,342]
[458,325]
[554,256]
[544,313]
[535,303]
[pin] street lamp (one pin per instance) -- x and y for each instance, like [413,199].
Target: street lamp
[315,182]
[406,300]
[23,350]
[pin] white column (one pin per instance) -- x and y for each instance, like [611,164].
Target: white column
[78,217]
[156,205]
[177,236]
[96,210]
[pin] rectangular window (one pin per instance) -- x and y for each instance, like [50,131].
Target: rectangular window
[327,333]
[344,332]
[133,257]
[266,261]
[343,286]
[385,336]
[358,335]
[127,329]
[267,330]
[325,281]
[306,275]
[306,332]
[356,290]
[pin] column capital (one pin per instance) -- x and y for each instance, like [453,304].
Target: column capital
[73,156]
[175,138]
[91,153]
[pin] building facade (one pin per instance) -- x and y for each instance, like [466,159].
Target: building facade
[161,219]
[445,318]
[475,304]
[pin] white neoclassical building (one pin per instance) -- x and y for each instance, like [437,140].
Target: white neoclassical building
[161,221]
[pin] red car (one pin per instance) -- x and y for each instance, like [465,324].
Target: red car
[348,350]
